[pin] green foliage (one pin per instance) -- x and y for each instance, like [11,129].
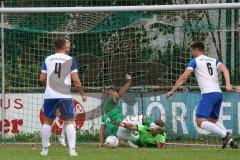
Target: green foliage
[23,138]
[82,137]
[87,136]
[143,37]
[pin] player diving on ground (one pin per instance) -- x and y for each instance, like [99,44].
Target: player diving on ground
[154,136]
[112,115]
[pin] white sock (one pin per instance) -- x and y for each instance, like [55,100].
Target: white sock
[71,136]
[211,127]
[63,132]
[46,133]
[220,125]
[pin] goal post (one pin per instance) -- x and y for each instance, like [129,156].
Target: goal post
[150,42]
[121,8]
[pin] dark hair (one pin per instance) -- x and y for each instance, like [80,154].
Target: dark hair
[160,123]
[198,45]
[59,43]
[111,88]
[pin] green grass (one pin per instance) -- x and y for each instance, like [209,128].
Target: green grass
[88,152]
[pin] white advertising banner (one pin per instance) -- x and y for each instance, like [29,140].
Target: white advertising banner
[23,113]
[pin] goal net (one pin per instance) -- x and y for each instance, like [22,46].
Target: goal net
[152,46]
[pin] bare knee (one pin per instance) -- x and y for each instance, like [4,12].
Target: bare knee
[200,121]
[212,120]
[69,121]
[48,121]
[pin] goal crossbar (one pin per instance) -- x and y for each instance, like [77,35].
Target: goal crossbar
[120,8]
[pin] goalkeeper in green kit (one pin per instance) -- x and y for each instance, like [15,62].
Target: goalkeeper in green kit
[113,116]
[148,137]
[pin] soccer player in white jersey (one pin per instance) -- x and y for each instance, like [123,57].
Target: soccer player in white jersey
[57,71]
[206,72]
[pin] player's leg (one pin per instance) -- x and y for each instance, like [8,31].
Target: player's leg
[123,133]
[67,113]
[46,130]
[214,119]
[218,123]
[128,134]
[216,111]
[203,112]
[215,116]
[63,133]
[49,116]
[102,131]
[135,119]
[62,136]
[71,136]
[46,133]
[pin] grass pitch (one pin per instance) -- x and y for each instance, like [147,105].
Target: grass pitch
[91,152]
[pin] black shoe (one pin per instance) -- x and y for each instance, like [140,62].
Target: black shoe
[233,145]
[226,140]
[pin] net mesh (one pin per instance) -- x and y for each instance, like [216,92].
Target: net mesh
[154,47]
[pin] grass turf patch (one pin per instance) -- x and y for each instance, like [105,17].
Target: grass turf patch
[91,152]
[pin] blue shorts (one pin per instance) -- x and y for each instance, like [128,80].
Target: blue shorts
[65,106]
[209,105]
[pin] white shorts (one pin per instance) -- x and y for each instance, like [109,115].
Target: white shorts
[127,134]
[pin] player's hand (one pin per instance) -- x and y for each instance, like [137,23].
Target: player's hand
[128,77]
[117,123]
[169,94]
[122,124]
[84,98]
[229,87]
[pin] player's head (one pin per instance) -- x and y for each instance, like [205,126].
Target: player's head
[159,128]
[159,123]
[197,48]
[61,45]
[111,91]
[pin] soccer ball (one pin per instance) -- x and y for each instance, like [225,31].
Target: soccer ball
[112,141]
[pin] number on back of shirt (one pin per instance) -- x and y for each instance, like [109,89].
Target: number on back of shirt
[210,69]
[58,69]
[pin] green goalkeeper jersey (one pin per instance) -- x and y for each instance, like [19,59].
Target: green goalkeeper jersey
[146,139]
[112,112]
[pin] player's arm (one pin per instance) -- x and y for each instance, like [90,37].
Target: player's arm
[124,89]
[223,68]
[76,79]
[181,80]
[43,75]
[78,85]
[43,78]
[102,128]
[129,126]
[161,139]
[116,97]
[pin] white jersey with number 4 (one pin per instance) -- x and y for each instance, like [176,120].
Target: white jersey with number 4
[206,73]
[58,67]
